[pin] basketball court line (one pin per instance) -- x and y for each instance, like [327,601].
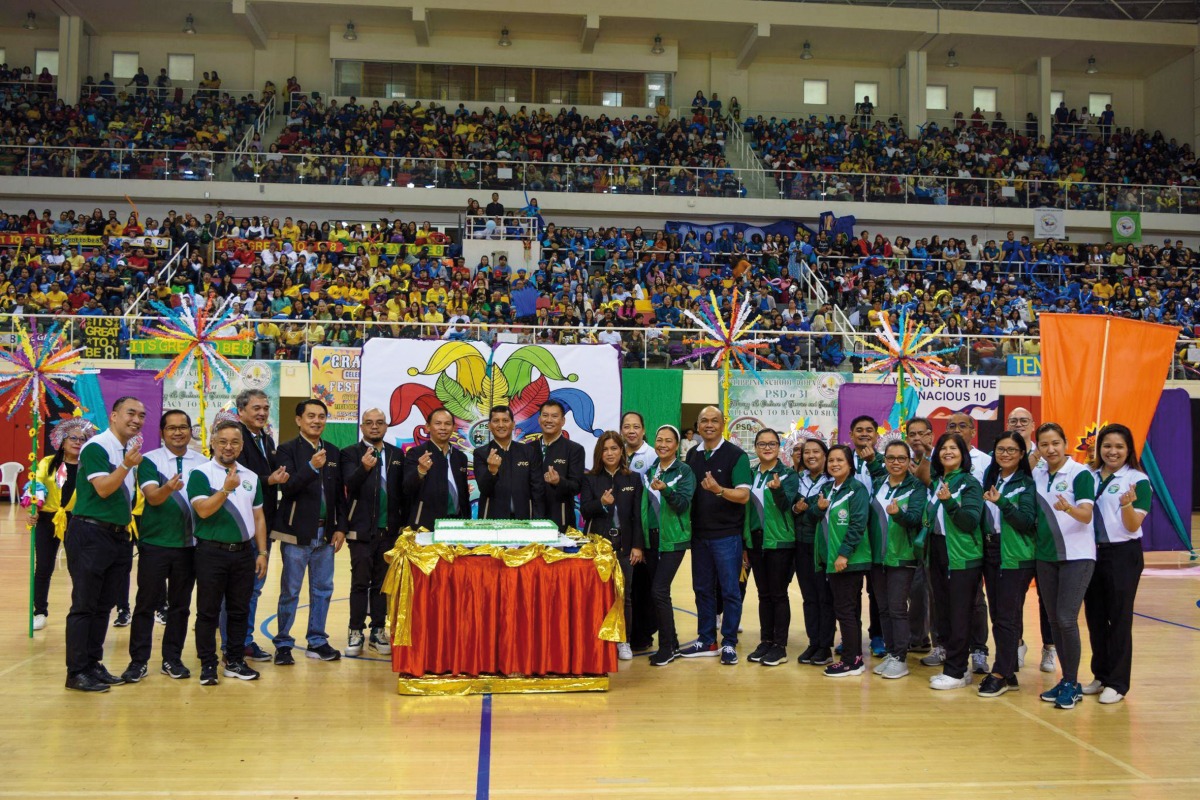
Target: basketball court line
[1091,748]
[20,664]
[483,775]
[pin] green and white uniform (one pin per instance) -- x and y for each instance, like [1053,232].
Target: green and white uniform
[1014,518]
[892,536]
[234,520]
[668,511]
[168,524]
[769,518]
[843,526]
[102,455]
[1106,519]
[1061,537]
[808,488]
[958,519]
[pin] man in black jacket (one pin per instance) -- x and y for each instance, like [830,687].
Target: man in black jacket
[508,473]
[562,462]
[258,456]
[309,526]
[371,472]
[435,476]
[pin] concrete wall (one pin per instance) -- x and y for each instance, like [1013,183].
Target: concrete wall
[1170,98]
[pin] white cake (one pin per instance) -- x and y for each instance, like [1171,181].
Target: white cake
[495,531]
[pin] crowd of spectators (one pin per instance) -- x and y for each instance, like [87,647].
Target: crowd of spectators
[976,162]
[319,282]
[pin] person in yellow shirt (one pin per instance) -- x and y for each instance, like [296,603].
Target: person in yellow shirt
[114,227]
[290,232]
[339,290]
[436,294]
[1103,290]
[36,302]
[56,298]
[358,294]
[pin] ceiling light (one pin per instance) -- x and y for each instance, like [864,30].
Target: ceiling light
[658,48]
[350,35]
[504,40]
[951,61]
[30,22]
[806,53]
[1091,67]
[190,26]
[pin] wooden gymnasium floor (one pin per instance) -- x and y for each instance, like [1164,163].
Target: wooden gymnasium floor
[692,729]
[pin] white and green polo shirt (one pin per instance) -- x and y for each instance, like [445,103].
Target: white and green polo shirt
[234,521]
[102,455]
[643,459]
[168,524]
[1110,528]
[1061,537]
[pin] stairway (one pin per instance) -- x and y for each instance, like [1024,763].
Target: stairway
[741,156]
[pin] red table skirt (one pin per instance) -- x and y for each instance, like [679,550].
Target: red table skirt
[475,616]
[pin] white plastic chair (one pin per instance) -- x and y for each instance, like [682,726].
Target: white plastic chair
[10,471]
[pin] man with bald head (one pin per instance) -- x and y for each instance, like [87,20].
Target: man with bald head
[1020,420]
[372,472]
[723,478]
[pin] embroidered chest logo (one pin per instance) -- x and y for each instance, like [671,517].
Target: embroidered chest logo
[843,515]
[1114,489]
[1061,486]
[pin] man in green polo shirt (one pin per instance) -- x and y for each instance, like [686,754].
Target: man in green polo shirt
[97,541]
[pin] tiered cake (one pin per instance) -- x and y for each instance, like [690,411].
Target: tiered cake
[494,531]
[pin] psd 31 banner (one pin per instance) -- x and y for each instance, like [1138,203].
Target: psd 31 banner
[409,379]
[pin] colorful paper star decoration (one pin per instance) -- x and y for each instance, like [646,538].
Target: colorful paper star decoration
[31,373]
[906,357]
[200,328]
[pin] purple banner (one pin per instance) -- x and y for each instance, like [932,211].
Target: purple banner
[1169,439]
[139,383]
[856,399]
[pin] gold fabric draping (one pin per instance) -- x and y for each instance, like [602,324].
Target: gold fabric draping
[456,686]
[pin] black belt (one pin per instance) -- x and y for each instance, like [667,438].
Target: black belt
[104,526]
[227,547]
[1127,542]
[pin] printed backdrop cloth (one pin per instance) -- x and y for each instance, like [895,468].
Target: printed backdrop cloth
[1100,369]
[489,610]
[1172,440]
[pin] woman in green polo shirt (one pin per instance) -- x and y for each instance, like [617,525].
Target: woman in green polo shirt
[667,533]
[770,536]
[1009,527]
[844,551]
[952,515]
[897,510]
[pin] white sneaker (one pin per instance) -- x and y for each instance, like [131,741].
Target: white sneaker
[1109,696]
[39,621]
[354,643]
[882,665]
[624,651]
[944,682]
[936,657]
[1048,657]
[1022,649]
[1095,687]
[895,669]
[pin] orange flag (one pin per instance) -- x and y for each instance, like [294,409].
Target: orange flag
[1100,369]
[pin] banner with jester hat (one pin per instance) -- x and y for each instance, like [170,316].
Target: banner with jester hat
[408,379]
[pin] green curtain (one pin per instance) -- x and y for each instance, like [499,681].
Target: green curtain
[656,393]
[341,434]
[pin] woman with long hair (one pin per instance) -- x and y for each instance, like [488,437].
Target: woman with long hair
[1009,528]
[1065,551]
[808,460]
[667,490]
[1122,502]
[843,551]
[51,491]
[610,502]
[897,509]
[952,515]
[770,536]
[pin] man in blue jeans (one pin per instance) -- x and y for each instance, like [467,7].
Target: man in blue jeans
[723,479]
[310,529]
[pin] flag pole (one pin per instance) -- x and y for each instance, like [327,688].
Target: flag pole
[1103,370]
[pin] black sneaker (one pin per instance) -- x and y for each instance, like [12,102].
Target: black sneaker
[662,658]
[729,656]
[176,670]
[104,676]
[845,669]
[208,675]
[806,656]
[923,646]
[775,656]
[323,652]
[123,619]
[1013,685]
[134,672]
[992,686]
[252,652]
[239,670]
[759,652]
[283,657]
[160,617]
[86,682]
[822,657]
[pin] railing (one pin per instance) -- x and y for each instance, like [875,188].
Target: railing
[483,174]
[187,93]
[163,275]
[640,345]
[259,126]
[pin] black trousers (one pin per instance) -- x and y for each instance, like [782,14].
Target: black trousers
[644,623]
[1006,598]
[772,571]
[45,550]
[99,561]
[918,608]
[954,594]
[978,636]
[226,577]
[1108,608]
[847,589]
[367,571]
[662,568]
[816,596]
[874,617]
[168,572]
[892,587]
[123,588]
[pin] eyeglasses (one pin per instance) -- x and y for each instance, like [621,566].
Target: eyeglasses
[77,439]
[177,429]
[767,445]
[895,459]
[1008,451]
[1020,421]
[958,426]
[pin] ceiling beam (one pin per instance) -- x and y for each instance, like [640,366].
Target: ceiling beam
[422,28]
[67,8]
[755,39]
[1121,8]
[247,20]
[591,32]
